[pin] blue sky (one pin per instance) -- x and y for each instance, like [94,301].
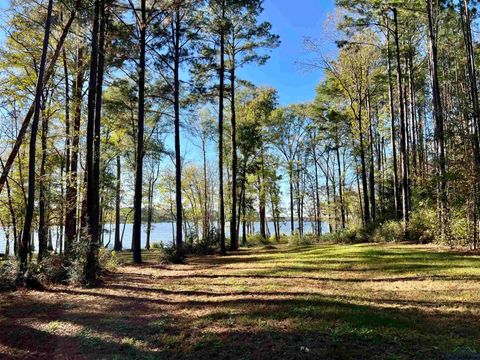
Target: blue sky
[292,20]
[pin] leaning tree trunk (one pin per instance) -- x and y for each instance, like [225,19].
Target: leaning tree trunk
[28,117]
[26,236]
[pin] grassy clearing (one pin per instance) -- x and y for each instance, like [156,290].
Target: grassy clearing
[332,302]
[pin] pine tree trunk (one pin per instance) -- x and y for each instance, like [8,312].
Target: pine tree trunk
[233,221]
[396,193]
[137,216]
[178,155]
[26,236]
[72,172]
[42,203]
[439,121]
[92,185]
[220,134]
[118,243]
[403,134]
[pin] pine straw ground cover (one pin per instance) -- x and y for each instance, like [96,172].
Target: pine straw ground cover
[319,302]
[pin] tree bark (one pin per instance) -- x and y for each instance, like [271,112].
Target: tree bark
[439,121]
[220,132]
[26,236]
[47,74]
[403,134]
[72,172]
[396,193]
[178,156]
[118,243]
[137,216]
[42,203]
[233,220]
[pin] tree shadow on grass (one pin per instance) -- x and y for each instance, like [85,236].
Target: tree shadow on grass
[329,327]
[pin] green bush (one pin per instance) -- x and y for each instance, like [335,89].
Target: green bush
[76,266]
[156,245]
[108,259]
[352,235]
[207,246]
[256,240]
[389,231]
[30,278]
[172,255]
[53,269]
[307,239]
[8,275]
[423,226]
[459,230]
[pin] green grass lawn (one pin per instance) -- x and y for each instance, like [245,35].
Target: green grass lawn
[318,302]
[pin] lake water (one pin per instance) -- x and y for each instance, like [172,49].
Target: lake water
[161,233]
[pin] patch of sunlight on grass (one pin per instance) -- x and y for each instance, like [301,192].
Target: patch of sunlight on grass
[53,326]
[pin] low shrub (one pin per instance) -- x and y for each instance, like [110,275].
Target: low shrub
[352,235]
[108,259]
[31,278]
[53,269]
[172,255]
[76,266]
[256,239]
[207,246]
[459,230]
[423,226]
[389,231]
[156,245]
[8,275]
[306,239]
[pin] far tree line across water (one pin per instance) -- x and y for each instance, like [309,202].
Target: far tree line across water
[161,234]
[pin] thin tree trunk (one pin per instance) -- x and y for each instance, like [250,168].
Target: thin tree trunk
[178,158]
[42,203]
[233,221]
[46,77]
[396,193]
[290,179]
[26,236]
[118,243]
[137,217]
[220,133]
[72,172]
[439,121]
[372,161]
[93,140]
[340,183]
[150,212]
[366,205]
[403,139]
